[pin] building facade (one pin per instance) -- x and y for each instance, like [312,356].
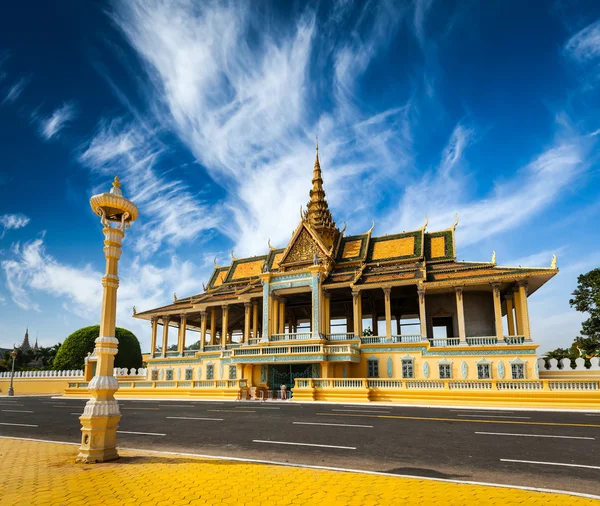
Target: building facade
[329,305]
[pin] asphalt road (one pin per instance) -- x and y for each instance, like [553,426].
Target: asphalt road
[552,450]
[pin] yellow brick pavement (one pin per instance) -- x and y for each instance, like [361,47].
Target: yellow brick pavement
[37,473]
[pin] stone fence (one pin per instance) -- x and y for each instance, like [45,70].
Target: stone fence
[553,365]
[44,374]
[121,372]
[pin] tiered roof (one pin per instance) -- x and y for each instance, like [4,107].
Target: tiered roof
[415,257]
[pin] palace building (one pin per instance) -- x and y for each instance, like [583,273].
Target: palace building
[332,306]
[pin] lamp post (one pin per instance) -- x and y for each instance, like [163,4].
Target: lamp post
[13,354]
[100,418]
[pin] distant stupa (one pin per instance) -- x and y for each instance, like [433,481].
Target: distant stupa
[35,346]
[26,346]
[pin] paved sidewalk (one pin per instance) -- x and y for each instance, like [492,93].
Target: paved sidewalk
[37,473]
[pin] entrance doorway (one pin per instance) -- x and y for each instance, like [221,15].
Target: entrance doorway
[285,374]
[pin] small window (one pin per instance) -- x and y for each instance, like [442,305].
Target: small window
[232,372]
[518,371]
[373,368]
[407,369]
[154,376]
[169,375]
[483,371]
[188,374]
[210,372]
[445,371]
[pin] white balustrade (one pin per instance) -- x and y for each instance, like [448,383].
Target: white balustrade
[482,341]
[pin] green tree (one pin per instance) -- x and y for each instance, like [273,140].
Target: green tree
[586,299]
[72,353]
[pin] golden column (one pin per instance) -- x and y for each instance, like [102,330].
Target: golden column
[225,326]
[422,312]
[460,314]
[213,326]
[181,336]
[510,314]
[497,310]
[523,310]
[327,312]
[153,339]
[357,312]
[100,418]
[281,316]
[387,293]
[247,315]
[202,329]
[165,339]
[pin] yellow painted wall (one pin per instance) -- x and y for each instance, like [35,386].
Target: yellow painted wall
[31,386]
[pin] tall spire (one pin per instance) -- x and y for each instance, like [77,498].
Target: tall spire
[318,214]
[26,346]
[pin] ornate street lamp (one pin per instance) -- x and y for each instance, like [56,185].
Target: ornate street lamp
[101,415]
[13,354]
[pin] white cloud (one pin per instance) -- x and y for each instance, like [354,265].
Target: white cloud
[12,222]
[585,44]
[448,190]
[31,273]
[53,124]
[169,212]
[15,90]
[247,111]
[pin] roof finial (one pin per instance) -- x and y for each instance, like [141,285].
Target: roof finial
[455,222]
[494,257]
[216,264]
[553,264]
[116,186]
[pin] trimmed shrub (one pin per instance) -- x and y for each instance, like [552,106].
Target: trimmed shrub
[72,353]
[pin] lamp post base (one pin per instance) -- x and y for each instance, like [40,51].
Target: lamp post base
[98,439]
[11,392]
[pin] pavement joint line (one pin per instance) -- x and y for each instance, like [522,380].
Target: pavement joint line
[327,468]
[333,424]
[591,414]
[533,435]
[146,409]
[194,418]
[140,433]
[19,424]
[172,406]
[13,405]
[303,444]
[435,419]
[550,463]
[360,411]
[16,411]
[498,416]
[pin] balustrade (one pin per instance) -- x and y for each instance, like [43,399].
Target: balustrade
[298,336]
[443,342]
[482,341]
[341,337]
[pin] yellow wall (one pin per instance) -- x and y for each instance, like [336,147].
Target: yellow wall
[30,386]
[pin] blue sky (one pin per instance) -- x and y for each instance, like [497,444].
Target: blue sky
[208,112]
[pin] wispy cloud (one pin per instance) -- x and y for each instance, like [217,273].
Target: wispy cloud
[585,44]
[512,201]
[53,124]
[170,212]
[32,272]
[248,111]
[15,90]
[12,222]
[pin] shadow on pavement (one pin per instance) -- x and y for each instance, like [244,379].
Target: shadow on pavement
[418,472]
